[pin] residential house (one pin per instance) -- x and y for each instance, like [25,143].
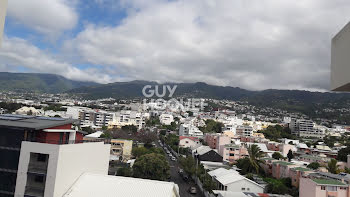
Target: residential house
[189,142]
[322,188]
[205,153]
[121,148]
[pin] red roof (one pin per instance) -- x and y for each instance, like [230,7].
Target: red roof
[191,138]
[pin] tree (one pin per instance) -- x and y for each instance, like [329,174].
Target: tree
[252,162]
[124,171]
[290,155]
[106,134]
[332,166]
[313,165]
[139,151]
[188,164]
[152,166]
[277,155]
[343,154]
[276,186]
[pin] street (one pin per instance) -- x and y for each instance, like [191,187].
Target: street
[176,178]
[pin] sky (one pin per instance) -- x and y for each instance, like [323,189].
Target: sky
[252,44]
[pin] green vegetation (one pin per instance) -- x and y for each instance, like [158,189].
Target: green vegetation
[11,107]
[140,151]
[131,128]
[343,154]
[188,164]
[290,155]
[252,163]
[55,107]
[277,132]
[277,155]
[171,127]
[332,167]
[280,186]
[211,126]
[153,121]
[33,82]
[152,166]
[313,165]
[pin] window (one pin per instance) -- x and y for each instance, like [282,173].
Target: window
[39,179]
[243,189]
[342,188]
[323,187]
[248,189]
[332,188]
[41,157]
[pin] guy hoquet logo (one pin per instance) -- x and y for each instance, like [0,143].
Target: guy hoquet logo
[155,95]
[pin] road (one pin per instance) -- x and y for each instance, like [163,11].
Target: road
[176,178]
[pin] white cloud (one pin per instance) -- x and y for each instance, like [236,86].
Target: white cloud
[50,17]
[16,52]
[252,44]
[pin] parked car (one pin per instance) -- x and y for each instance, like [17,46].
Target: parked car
[173,158]
[192,190]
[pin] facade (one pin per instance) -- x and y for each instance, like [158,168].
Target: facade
[190,130]
[232,181]
[50,169]
[305,128]
[97,118]
[3,8]
[17,128]
[322,188]
[166,119]
[127,117]
[233,152]
[244,131]
[189,142]
[280,169]
[296,173]
[121,148]
[340,59]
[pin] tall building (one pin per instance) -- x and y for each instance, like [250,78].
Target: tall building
[300,126]
[97,118]
[3,7]
[340,58]
[17,128]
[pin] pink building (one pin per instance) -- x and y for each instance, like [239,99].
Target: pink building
[210,139]
[322,188]
[232,152]
[221,141]
[273,146]
[296,173]
[281,169]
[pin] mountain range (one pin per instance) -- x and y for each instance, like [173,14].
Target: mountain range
[35,82]
[291,100]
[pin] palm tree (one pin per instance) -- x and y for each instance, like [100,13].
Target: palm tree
[333,167]
[251,163]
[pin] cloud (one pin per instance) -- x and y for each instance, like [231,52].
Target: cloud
[49,17]
[16,52]
[252,44]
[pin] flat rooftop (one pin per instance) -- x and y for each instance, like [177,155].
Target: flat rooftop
[32,122]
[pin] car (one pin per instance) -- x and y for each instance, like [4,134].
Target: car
[192,190]
[181,171]
[173,158]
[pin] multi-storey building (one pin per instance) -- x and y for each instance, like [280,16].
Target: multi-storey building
[190,130]
[128,117]
[33,130]
[98,118]
[244,131]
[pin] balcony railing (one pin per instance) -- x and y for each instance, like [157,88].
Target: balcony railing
[60,142]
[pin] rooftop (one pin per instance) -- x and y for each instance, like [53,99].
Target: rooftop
[302,169]
[91,185]
[283,163]
[32,122]
[327,182]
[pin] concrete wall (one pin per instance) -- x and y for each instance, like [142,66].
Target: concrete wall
[3,7]
[66,163]
[340,60]
[237,187]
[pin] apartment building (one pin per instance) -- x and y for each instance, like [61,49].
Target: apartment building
[305,128]
[322,188]
[166,119]
[121,148]
[127,117]
[233,152]
[96,117]
[244,131]
[190,130]
[34,130]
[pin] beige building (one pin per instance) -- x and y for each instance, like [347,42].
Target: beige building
[121,147]
[3,7]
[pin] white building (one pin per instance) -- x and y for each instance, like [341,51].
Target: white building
[244,131]
[189,142]
[232,181]
[52,169]
[340,59]
[190,130]
[166,119]
[127,117]
[92,185]
[29,111]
